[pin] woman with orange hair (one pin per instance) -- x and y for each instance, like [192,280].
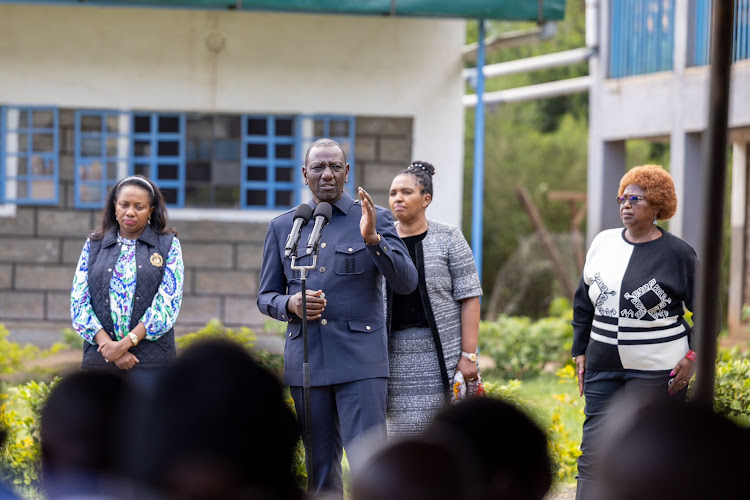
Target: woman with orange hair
[628,313]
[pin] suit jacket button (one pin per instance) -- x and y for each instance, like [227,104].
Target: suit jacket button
[109,270]
[377,253]
[368,328]
[322,269]
[323,245]
[322,295]
[350,249]
[290,334]
[324,322]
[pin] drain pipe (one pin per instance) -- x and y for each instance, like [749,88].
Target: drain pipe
[477,205]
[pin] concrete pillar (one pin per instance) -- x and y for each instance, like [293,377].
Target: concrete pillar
[738,262]
[686,156]
[606,168]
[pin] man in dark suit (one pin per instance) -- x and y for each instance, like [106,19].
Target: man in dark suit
[348,346]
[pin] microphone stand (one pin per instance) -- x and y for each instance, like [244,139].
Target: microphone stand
[306,364]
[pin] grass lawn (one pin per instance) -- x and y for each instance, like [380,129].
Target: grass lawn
[554,402]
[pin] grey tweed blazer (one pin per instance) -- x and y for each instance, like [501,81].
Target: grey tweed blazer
[450,276]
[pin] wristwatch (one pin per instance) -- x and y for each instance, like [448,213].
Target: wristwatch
[472,356]
[133,338]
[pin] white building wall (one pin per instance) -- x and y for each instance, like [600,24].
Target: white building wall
[237,62]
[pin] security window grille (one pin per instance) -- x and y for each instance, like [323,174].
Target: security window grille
[269,161]
[29,159]
[102,152]
[158,145]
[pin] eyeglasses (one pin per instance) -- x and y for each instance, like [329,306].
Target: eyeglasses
[633,200]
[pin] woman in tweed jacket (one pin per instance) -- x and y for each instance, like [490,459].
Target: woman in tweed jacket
[432,331]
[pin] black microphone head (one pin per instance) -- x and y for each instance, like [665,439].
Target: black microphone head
[304,211]
[324,209]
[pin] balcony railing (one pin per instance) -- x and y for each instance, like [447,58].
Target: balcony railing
[642,37]
[702,37]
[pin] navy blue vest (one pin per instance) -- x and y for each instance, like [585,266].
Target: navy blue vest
[102,260]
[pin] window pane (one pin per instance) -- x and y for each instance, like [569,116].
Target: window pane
[90,193]
[285,127]
[90,172]
[283,198]
[169,124]
[257,126]
[42,190]
[170,195]
[113,123]
[42,166]
[91,147]
[142,148]
[168,172]
[144,170]
[285,151]
[257,174]
[142,124]
[198,149]
[23,166]
[256,197]
[91,123]
[284,174]
[319,128]
[257,150]
[169,148]
[43,119]
[23,143]
[112,147]
[112,171]
[22,189]
[339,128]
[227,174]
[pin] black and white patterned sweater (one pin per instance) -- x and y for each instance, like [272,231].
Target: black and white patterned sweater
[628,311]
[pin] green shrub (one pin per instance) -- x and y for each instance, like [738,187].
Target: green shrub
[275,328]
[215,329]
[732,386]
[71,338]
[19,416]
[521,347]
[13,355]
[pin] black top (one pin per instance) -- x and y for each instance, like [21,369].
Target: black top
[408,311]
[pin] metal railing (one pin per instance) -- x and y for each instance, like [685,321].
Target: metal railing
[702,32]
[642,37]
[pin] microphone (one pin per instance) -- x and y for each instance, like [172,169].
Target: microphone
[301,217]
[322,215]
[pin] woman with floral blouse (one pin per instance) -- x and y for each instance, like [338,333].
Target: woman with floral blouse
[127,288]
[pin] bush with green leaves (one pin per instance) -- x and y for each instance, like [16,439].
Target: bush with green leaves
[19,415]
[732,386]
[521,347]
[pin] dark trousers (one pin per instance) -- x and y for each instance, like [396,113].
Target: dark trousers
[342,415]
[600,388]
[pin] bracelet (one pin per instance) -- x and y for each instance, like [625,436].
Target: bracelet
[691,355]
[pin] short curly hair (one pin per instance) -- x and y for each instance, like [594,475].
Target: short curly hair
[658,186]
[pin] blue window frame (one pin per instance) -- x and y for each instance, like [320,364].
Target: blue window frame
[102,152]
[29,160]
[340,128]
[269,162]
[158,152]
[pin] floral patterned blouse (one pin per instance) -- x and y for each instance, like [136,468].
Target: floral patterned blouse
[159,317]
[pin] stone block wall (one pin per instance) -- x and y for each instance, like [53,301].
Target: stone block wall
[40,246]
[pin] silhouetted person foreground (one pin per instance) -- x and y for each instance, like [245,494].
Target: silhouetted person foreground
[81,423]
[671,450]
[217,427]
[508,448]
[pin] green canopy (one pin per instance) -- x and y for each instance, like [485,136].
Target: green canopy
[518,10]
